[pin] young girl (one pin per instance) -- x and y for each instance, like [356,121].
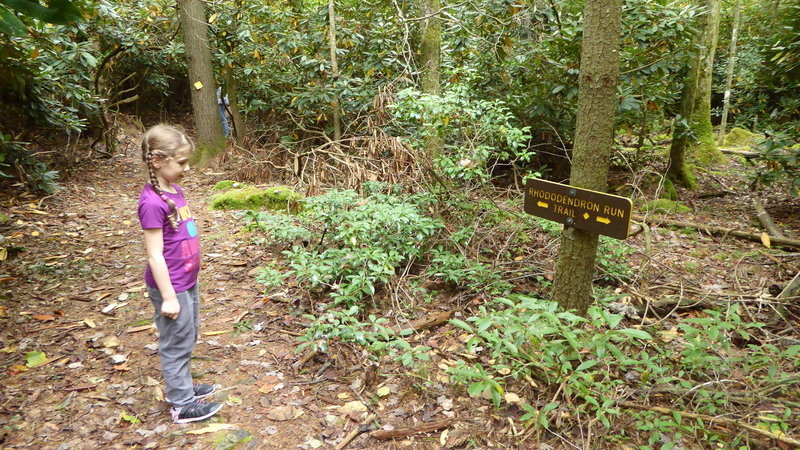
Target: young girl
[172,244]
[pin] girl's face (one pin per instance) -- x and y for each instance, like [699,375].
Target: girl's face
[172,169]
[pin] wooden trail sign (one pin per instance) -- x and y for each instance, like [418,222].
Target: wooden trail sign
[586,210]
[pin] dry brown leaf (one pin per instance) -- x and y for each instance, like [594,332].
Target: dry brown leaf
[44,317]
[282,413]
[766,240]
[213,428]
[141,328]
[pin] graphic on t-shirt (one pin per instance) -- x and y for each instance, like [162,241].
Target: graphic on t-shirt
[190,252]
[184,212]
[191,228]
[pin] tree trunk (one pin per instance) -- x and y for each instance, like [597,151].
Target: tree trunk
[705,148]
[232,87]
[594,134]
[429,63]
[208,127]
[337,118]
[239,127]
[430,46]
[695,107]
[726,103]
[678,171]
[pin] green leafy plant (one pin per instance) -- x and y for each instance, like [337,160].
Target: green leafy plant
[478,133]
[16,156]
[344,326]
[354,244]
[457,269]
[781,159]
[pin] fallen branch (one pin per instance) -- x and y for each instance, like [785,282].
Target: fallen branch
[791,289]
[355,432]
[766,220]
[670,303]
[305,359]
[743,153]
[426,322]
[711,419]
[775,240]
[742,398]
[410,431]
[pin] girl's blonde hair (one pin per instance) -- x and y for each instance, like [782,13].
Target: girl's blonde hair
[164,141]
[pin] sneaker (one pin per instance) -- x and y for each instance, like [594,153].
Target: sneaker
[204,390]
[195,411]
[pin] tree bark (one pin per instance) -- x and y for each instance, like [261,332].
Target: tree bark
[693,131]
[594,133]
[704,148]
[429,64]
[337,118]
[210,137]
[678,171]
[430,46]
[726,103]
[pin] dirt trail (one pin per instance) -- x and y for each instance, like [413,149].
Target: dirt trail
[75,292]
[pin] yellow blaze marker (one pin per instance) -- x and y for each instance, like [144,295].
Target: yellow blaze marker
[603,220]
[198,85]
[585,216]
[542,204]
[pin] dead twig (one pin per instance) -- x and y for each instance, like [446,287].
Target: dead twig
[736,424]
[410,431]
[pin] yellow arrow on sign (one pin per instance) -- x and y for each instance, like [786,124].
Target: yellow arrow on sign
[603,220]
[585,216]
[542,204]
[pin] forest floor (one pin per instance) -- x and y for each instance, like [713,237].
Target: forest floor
[72,289]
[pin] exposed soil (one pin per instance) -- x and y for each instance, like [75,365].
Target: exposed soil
[73,255]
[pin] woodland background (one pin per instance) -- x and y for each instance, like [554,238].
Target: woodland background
[379,149]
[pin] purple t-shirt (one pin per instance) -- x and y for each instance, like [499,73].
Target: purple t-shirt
[181,246]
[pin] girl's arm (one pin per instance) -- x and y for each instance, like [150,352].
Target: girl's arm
[154,244]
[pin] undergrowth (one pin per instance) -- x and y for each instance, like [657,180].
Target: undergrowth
[353,253]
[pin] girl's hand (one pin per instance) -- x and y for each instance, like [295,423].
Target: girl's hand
[171,308]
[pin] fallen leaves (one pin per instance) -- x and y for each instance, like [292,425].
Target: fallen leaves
[213,428]
[141,328]
[35,359]
[284,413]
[351,407]
[44,317]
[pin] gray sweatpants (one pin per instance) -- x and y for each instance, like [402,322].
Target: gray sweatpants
[176,340]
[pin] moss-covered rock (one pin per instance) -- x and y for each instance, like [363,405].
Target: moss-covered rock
[739,137]
[250,197]
[225,185]
[664,205]
[234,439]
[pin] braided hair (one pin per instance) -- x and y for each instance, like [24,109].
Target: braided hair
[164,141]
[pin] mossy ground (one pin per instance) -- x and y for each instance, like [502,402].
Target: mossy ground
[739,137]
[225,185]
[666,206]
[253,198]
